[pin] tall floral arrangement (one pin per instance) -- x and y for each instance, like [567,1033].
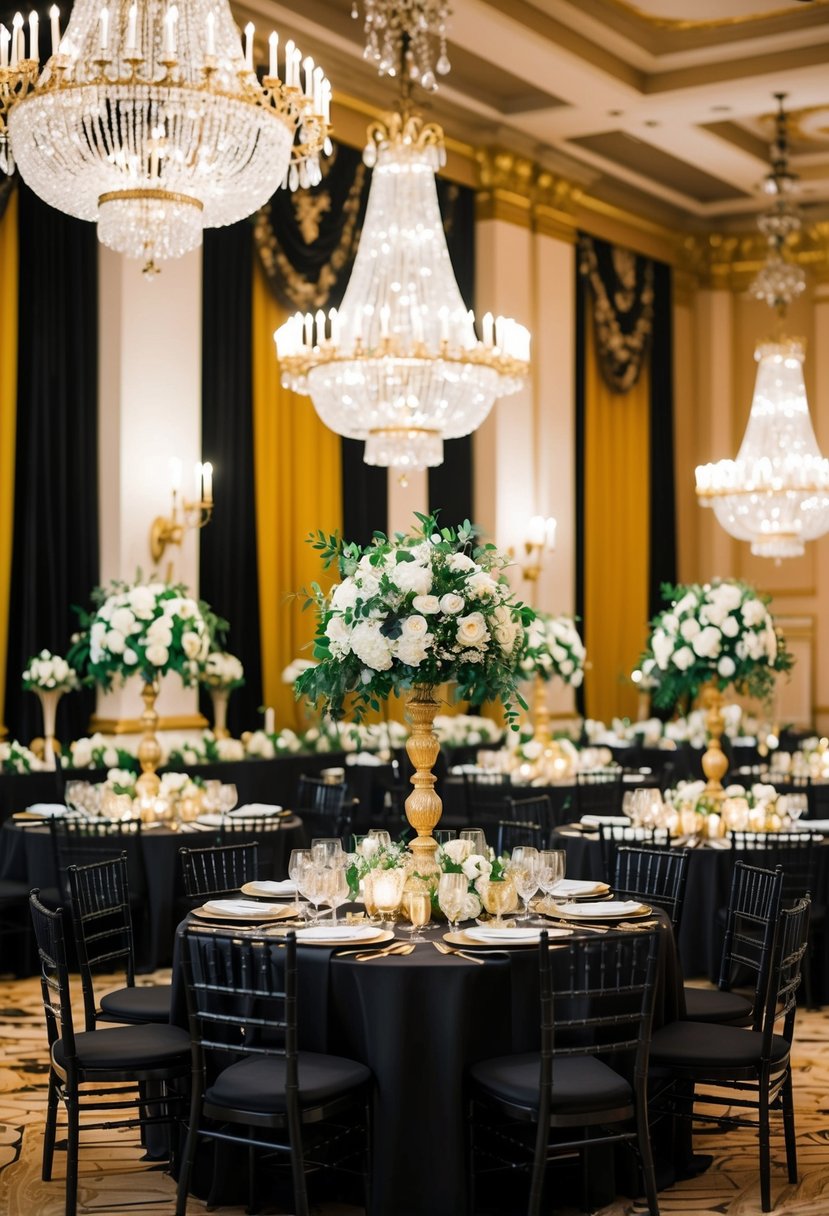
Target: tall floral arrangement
[720,633]
[222,670]
[417,609]
[553,647]
[47,672]
[145,629]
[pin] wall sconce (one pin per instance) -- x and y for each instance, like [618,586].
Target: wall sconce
[185,514]
[540,539]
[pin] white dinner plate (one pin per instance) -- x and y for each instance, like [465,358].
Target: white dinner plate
[474,939]
[269,889]
[327,934]
[609,909]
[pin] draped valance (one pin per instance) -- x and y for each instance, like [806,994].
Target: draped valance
[621,300]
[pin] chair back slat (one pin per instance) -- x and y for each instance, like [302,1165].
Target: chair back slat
[267,831]
[751,918]
[532,810]
[513,833]
[82,842]
[54,975]
[100,900]
[794,852]
[790,943]
[657,875]
[219,869]
[612,836]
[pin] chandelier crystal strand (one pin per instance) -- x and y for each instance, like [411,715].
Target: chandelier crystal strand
[411,33]
[149,119]
[779,281]
[400,365]
[776,493]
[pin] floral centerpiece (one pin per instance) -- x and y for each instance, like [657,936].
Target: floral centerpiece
[49,676]
[96,751]
[711,636]
[372,854]
[149,630]
[220,674]
[756,808]
[552,647]
[16,758]
[179,796]
[458,857]
[411,612]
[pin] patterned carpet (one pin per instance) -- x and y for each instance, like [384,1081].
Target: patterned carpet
[113,1178]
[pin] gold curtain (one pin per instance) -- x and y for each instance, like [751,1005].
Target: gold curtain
[616,529]
[298,473]
[8,415]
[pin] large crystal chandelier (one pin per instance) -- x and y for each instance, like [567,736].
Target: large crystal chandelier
[401,365]
[776,493]
[149,118]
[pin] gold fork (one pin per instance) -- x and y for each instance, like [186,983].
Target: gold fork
[470,958]
[399,948]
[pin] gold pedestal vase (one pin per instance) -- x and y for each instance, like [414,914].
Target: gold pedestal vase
[714,760]
[541,713]
[149,749]
[220,698]
[49,698]
[423,806]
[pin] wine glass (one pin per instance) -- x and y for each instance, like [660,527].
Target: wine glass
[299,859]
[443,836]
[327,851]
[498,897]
[452,893]
[477,838]
[211,795]
[419,908]
[336,889]
[524,873]
[551,869]
[228,797]
[313,883]
[381,836]
[796,805]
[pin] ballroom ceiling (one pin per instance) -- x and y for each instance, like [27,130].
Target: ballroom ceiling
[663,105]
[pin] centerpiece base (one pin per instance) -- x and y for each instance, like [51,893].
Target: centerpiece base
[714,760]
[423,806]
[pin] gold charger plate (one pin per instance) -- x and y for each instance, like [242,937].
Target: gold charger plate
[230,918]
[461,938]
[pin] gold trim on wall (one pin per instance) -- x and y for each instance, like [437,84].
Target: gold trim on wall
[707,23]
[133,726]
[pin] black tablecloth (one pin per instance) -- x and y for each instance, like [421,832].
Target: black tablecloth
[706,893]
[418,1022]
[26,854]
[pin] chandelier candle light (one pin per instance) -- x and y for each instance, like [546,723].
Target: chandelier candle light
[149,119]
[401,364]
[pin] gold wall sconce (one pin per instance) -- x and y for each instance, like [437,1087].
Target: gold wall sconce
[185,514]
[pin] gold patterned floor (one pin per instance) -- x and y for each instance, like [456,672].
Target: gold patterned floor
[113,1178]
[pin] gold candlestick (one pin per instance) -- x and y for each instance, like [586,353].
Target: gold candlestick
[714,760]
[423,806]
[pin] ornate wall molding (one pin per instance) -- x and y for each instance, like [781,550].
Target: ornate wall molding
[515,189]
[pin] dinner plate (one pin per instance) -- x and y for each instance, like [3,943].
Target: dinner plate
[490,939]
[269,889]
[579,888]
[244,911]
[257,810]
[343,935]
[610,909]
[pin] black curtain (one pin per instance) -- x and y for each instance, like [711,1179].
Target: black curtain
[662,494]
[55,546]
[229,568]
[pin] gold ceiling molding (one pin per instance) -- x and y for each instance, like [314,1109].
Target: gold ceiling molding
[729,261]
[517,190]
[708,23]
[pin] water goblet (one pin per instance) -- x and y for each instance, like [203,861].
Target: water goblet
[228,797]
[452,893]
[313,883]
[498,896]
[477,839]
[298,861]
[381,836]
[796,805]
[419,908]
[211,795]
[327,851]
[443,836]
[551,868]
[523,870]
[336,889]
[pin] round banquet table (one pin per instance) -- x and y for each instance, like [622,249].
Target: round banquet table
[706,893]
[418,1021]
[27,855]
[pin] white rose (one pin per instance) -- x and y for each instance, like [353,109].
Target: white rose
[123,620]
[753,612]
[689,629]
[683,658]
[410,576]
[730,626]
[476,866]
[457,850]
[130,657]
[754,646]
[411,651]
[472,630]
[344,595]
[482,585]
[471,907]
[577,678]
[726,667]
[157,654]
[370,646]
[708,643]
[459,562]
[727,596]
[336,630]
[686,604]
[114,642]
[142,602]
[97,634]
[81,753]
[414,626]
[451,603]
[110,757]
[662,647]
[428,604]
[669,623]
[191,644]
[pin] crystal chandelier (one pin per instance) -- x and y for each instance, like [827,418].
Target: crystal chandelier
[776,493]
[395,35]
[149,119]
[779,281]
[401,365]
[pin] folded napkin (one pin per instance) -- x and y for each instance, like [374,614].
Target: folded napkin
[47,810]
[285,889]
[337,933]
[209,821]
[811,825]
[569,888]
[255,810]
[491,933]
[609,907]
[593,821]
[241,907]
[363,760]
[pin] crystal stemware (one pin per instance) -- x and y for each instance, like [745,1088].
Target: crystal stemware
[228,797]
[327,851]
[551,868]
[387,890]
[498,896]
[299,860]
[523,871]
[419,908]
[336,889]
[477,838]
[452,893]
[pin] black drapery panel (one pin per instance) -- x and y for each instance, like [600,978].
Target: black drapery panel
[306,243]
[229,569]
[451,483]
[663,497]
[582,290]
[7,184]
[55,554]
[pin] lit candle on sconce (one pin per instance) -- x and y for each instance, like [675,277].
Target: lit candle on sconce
[5,39]
[250,30]
[54,16]
[104,26]
[273,49]
[207,483]
[270,721]
[541,533]
[186,513]
[289,62]
[175,474]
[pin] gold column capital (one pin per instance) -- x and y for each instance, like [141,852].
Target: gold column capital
[519,191]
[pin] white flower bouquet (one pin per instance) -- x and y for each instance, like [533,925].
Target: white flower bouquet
[553,647]
[720,632]
[418,609]
[458,857]
[147,629]
[16,758]
[222,670]
[48,672]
